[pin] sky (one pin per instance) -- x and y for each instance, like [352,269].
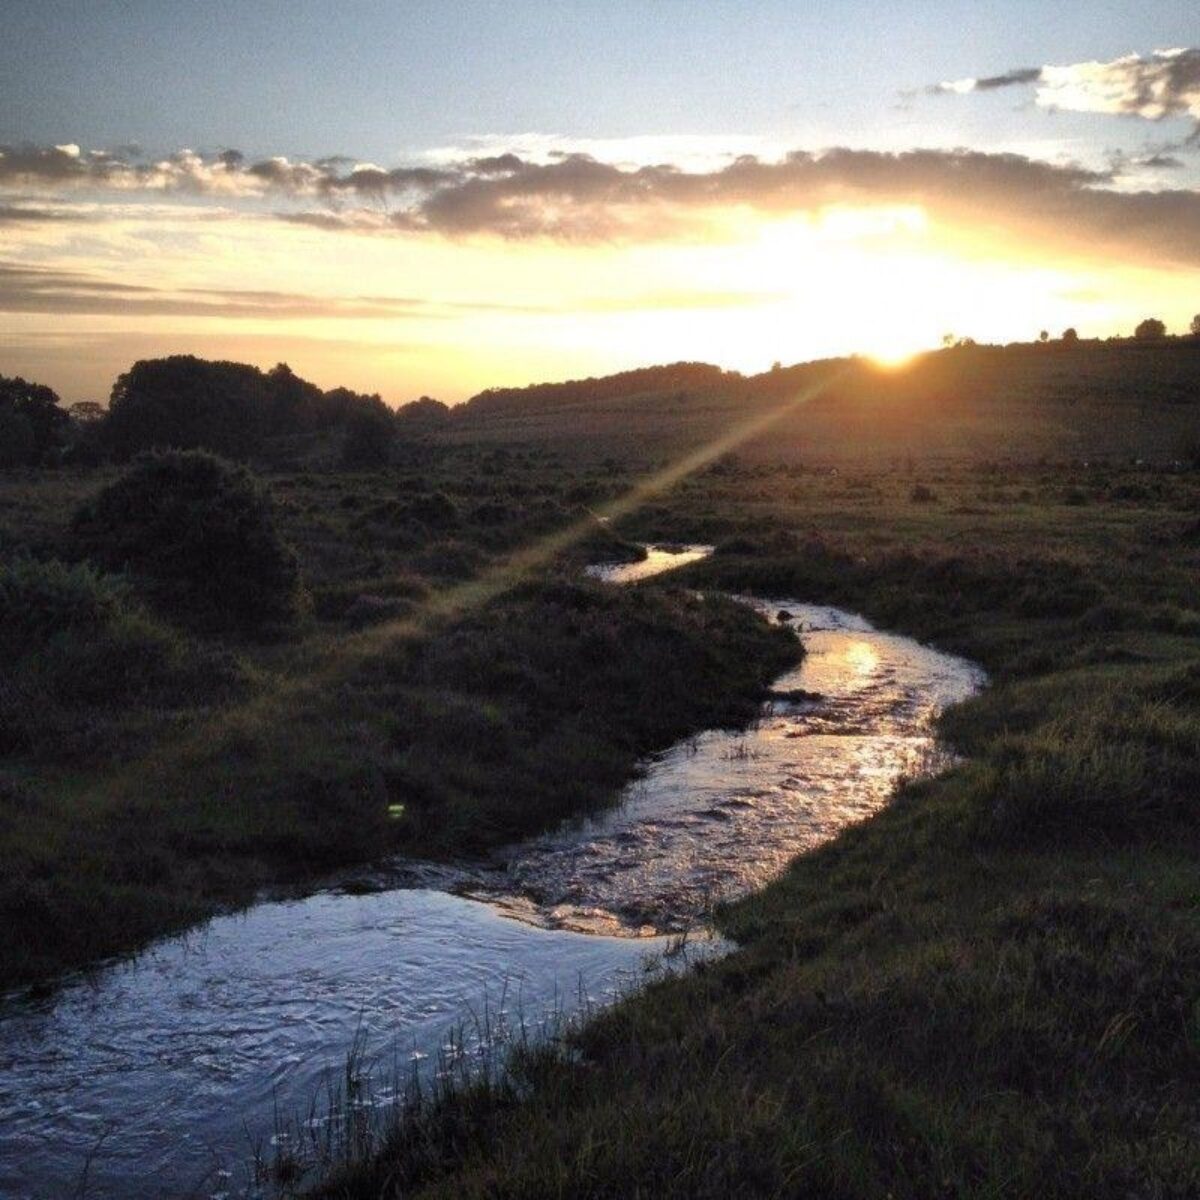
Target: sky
[413,198]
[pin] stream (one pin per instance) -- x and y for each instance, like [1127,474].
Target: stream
[166,1073]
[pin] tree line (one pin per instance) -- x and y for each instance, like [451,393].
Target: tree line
[188,403]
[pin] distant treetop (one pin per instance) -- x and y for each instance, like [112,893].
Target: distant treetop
[32,422]
[225,407]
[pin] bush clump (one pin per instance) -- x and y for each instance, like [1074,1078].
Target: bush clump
[44,602]
[197,535]
[70,636]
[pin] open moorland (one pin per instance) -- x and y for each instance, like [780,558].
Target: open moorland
[990,989]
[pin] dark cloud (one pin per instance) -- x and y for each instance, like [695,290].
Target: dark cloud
[46,165]
[495,164]
[576,197]
[1161,162]
[45,290]
[31,289]
[317,220]
[1021,75]
[12,214]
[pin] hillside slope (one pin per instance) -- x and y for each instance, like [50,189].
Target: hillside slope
[1121,399]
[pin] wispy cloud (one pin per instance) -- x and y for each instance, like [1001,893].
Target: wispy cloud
[41,289]
[35,214]
[990,83]
[35,289]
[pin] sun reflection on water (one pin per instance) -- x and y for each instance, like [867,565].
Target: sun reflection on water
[862,658]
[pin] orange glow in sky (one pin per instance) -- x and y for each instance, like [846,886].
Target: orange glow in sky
[406,315]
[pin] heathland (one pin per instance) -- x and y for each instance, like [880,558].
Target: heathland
[990,989]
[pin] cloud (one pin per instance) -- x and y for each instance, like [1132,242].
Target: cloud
[1021,75]
[1163,84]
[36,289]
[576,197]
[12,214]
[1161,162]
[990,83]
[40,289]
[1152,86]
[227,173]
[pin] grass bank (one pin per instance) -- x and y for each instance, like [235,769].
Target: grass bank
[236,765]
[991,989]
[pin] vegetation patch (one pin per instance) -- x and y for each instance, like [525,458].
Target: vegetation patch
[199,538]
[79,651]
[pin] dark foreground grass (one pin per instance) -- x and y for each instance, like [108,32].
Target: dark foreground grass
[152,771]
[442,740]
[991,989]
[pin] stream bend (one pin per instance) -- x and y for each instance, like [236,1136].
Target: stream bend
[164,1073]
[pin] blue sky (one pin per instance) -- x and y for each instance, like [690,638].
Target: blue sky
[378,80]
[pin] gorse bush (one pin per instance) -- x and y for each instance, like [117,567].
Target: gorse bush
[197,535]
[70,636]
[42,601]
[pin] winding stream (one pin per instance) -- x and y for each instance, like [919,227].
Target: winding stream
[163,1074]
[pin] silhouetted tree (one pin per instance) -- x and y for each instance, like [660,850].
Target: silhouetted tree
[35,422]
[370,432]
[294,404]
[16,439]
[1044,336]
[1070,335]
[188,403]
[89,444]
[422,413]
[1150,330]
[1194,327]
[86,412]
[229,408]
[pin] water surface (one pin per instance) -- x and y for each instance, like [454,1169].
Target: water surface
[659,558]
[722,814]
[168,1071]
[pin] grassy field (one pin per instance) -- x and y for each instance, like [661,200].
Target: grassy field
[446,695]
[992,988]
[1122,399]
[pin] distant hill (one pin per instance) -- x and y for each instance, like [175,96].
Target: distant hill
[1026,401]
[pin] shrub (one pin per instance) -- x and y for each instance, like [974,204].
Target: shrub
[197,535]
[69,635]
[435,510]
[41,600]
